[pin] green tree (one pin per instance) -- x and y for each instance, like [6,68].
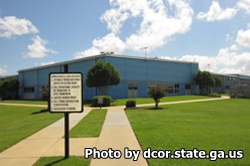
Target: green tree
[206,80]
[217,81]
[2,88]
[9,87]
[102,75]
[156,91]
[45,93]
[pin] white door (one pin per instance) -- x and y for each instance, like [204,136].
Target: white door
[132,89]
[188,89]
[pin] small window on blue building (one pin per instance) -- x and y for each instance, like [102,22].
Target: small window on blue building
[176,88]
[29,89]
[173,88]
[132,86]
[188,86]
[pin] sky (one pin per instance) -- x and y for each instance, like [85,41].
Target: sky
[213,33]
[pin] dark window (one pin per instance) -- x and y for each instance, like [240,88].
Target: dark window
[188,86]
[29,89]
[133,86]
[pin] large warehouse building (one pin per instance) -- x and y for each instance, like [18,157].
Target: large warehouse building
[137,73]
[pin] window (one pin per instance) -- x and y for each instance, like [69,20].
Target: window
[132,86]
[171,88]
[29,89]
[188,86]
[176,88]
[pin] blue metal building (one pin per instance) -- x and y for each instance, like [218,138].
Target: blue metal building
[137,73]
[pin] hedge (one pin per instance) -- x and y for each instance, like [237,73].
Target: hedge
[106,101]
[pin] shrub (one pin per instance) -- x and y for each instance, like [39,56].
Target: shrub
[214,94]
[106,101]
[45,93]
[130,103]
[157,91]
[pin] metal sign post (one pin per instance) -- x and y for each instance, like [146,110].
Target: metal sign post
[100,102]
[66,96]
[66,125]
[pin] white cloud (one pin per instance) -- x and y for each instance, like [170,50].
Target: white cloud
[244,5]
[243,38]
[227,61]
[47,63]
[37,49]
[158,26]
[234,47]
[109,43]
[3,72]
[89,52]
[114,19]
[11,26]
[160,21]
[216,13]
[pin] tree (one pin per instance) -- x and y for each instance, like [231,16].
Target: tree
[114,76]
[9,87]
[217,82]
[156,91]
[45,93]
[102,75]
[206,80]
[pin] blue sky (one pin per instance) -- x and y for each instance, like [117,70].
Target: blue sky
[216,34]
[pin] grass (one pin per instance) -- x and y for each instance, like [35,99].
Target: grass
[121,102]
[216,125]
[91,125]
[17,123]
[61,161]
[118,102]
[25,102]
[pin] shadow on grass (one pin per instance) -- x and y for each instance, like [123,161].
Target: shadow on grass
[145,108]
[40,112]
[153,108]
[56,162]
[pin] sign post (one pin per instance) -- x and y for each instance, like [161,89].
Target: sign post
[100,102]
[66,96]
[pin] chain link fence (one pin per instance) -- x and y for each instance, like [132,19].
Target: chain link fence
[240,91]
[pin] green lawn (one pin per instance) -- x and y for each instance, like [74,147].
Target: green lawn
[17,123]
[25,102]
[216,125]
[91,125]
[60,161]
[120,102]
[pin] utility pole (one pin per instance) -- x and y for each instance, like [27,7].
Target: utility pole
[145,51]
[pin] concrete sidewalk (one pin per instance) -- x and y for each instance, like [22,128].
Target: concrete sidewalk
[185,101]
[117,134]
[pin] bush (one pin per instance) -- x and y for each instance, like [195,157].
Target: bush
[45,93]
[214,94]
[106,101]
[156,91]
[130,103]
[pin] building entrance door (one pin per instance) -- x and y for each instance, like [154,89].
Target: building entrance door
[188,89]
[132,89]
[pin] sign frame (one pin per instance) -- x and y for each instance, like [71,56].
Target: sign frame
[81,92]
